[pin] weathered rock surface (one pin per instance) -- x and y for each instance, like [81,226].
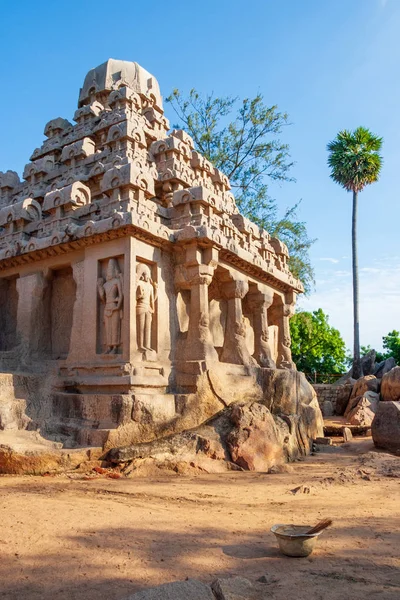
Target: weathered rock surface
[364,411]
[327,408]
[384,367]
[26,452]
[343,396]
[177,590]
[239,588]
[390,386]
[353,402]
[254,442]
[368,367]
[368,383]
[386,426]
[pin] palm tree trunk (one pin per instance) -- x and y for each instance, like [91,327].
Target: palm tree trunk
[357,369]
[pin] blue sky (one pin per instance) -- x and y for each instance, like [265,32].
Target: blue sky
[330,64]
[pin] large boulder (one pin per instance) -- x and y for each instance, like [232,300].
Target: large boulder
[368,366]
[390,386]
[353,402]
[386,426]
[368,383]
[254,442]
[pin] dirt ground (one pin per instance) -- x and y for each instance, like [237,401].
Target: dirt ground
[73,539]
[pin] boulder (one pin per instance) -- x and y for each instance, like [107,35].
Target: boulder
[364,412]
[368,383]
[367,364]
[254,442]
[177,590]
[342,398]
[371,397]
[390,386]
[327,408]
[239,588]
[384,367]
[386,426]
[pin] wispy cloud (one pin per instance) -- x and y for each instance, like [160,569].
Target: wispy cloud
[331,260]
[379,300]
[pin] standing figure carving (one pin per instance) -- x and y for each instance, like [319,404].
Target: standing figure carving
[111,294]
[146,296]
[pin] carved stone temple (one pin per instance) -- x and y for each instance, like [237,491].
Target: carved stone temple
[136,301]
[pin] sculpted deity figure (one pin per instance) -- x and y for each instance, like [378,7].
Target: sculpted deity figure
[146,296]
[111,294]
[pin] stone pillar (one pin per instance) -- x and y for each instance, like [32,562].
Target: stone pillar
[284,360]
[33,318]
[235,350]
[77,330]
[259,302]
[199,344]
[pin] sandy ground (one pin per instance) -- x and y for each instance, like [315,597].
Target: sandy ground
[64,539]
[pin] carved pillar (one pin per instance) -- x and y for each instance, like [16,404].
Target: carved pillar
[199,344]
[33,319]
[259,302]
[76,340]
[284,353]
[235,350]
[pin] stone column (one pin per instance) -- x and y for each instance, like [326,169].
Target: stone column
[199,344]
[77,331]
[235,350]
[284,360]
[33,319]
[259,302]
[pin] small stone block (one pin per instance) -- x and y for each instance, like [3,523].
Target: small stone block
[347,435]
[323,441]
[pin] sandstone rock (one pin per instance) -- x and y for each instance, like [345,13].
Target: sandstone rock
[384,367]
[254,443]
[386,426]
[239,588]
[368,383]
[364,412]
[327,408]
[323,441]
[390,386]
[177,590]
[371,397]
[342,399]
[23,452]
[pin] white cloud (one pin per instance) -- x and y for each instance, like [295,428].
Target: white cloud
[379,301]
[332,260]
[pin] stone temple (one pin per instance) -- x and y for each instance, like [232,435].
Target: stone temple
[136,301]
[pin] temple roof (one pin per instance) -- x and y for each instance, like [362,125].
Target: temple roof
[114,74]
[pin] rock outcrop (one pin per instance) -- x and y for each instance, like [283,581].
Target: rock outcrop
[390,387]
[386,426]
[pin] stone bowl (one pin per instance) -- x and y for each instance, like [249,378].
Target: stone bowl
[293,541]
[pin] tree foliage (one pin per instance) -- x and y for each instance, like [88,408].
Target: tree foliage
[246,147]
[391,347]
[354,158]
[316,346]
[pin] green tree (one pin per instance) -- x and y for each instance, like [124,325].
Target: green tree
[355,162]
[316,346]
[248,150]
[391,343]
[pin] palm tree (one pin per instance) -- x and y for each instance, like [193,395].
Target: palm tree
[355,162]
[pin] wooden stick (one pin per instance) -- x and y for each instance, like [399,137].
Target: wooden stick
[319,526]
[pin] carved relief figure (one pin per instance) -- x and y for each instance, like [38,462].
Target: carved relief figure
[146,296]
[111,294]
